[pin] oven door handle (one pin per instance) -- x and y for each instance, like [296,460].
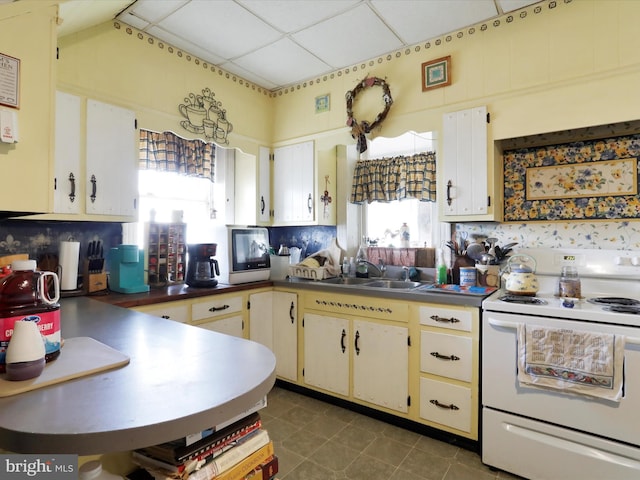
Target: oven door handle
[501,323]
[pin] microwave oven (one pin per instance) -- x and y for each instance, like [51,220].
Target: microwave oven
[243,254]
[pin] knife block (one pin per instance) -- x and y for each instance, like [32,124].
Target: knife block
[93,281]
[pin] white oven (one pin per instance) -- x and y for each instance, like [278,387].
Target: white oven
[539,433]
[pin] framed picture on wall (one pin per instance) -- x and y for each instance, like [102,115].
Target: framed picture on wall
[9,81]
[436,73]
[323,103]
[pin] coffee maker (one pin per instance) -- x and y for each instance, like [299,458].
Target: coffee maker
[202,267]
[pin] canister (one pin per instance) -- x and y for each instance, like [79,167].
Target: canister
[467,276]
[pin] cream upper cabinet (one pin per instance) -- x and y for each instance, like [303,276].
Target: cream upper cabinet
[95,167]
[68,156]
[468,184]
[111,168]
[293,184]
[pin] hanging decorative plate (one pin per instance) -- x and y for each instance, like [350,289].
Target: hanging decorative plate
[360,129]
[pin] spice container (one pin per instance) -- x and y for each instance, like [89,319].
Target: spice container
[569,284]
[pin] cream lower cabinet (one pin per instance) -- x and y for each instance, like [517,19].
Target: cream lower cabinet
[449,368]
[273,322]
[358,342]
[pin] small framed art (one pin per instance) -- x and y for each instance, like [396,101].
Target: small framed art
[323,103]
[436,73]
[9,81]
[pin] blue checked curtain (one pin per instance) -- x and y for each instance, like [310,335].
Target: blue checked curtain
[397,178]
[167,152]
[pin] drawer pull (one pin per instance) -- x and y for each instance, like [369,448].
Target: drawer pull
[451,406]
[444,357]
[165,316]
[291,313]
[438,318]
[217,309]
[342,337]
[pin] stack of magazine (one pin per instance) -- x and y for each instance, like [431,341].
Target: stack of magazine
[236,451]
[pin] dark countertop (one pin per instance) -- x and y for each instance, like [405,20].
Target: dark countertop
[183,292]
[181,379]
[172,293]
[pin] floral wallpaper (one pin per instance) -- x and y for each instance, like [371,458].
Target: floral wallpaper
[573,181]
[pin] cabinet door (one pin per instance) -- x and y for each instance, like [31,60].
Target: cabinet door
[68,131]
[381,364]
[245,186]
[293,183]
[464,162]
[264,185]
[261,319]
[326,353]
[285,334]
[112,170]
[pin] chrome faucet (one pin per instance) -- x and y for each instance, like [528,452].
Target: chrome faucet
[381,268]
[405,273]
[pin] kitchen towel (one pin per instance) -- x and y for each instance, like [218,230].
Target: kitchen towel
[585,363]
[69,259]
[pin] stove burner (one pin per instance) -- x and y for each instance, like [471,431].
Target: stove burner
[523,299]
[633,309]
[614,301]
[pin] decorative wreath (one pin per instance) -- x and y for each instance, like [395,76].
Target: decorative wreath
[358,130]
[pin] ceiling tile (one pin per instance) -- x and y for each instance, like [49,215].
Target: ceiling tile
[248,75]
[185,45]
[154,11]
[224,28]
[511,5]
[283,62]
[349,38]
[293,15]
[431,19]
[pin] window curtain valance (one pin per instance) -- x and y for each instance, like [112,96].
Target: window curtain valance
[397,178]
[167,152]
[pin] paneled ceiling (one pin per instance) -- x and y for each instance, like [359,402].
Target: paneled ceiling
[276,43]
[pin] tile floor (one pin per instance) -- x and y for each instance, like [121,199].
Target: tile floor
[315,440]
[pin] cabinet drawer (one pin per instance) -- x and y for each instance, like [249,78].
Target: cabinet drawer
[230,326]
[215,307]
[446,404]
[446,355]
[446,318]
[369,307]
[178,313]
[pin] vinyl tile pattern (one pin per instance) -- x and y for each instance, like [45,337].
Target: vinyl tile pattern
[315,440]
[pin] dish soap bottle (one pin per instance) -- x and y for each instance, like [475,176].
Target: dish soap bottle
[362,269]
[441,269]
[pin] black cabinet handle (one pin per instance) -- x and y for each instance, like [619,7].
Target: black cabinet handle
[451,406]
[310,203]
[94,188]
[217,309]
[356,343]
[437,318]
[262,205]
[72,181]
[444,357]
[291,312]
[165,316]
[449,185]
[342,345]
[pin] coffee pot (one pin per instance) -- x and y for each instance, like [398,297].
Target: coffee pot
[520,278]
[202,267]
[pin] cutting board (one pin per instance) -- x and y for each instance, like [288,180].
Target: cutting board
[80,356]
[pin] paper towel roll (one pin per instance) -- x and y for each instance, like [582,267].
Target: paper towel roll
[69,258]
